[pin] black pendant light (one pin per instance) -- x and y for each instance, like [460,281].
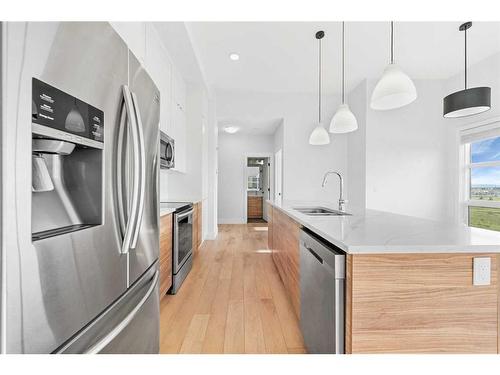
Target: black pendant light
[469,101]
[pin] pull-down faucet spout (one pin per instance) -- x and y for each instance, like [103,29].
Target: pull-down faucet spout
[342,202]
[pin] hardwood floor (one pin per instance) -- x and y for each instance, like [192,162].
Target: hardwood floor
[233,300]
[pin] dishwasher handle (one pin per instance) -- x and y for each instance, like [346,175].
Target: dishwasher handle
[314,253]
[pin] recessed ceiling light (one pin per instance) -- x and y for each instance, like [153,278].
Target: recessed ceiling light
[234,56]
[231,129]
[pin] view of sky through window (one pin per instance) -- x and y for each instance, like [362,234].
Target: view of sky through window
[487,150]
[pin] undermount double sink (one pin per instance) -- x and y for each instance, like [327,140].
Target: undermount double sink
[320,211]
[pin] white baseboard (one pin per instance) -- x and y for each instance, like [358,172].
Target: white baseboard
[212,236]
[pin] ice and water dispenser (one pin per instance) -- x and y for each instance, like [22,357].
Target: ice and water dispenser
[67,162]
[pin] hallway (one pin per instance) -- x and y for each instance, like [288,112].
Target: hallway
[233,301]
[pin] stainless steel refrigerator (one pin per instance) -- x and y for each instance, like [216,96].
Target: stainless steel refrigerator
[79,171]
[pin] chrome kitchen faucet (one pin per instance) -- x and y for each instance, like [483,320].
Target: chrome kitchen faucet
[342,202]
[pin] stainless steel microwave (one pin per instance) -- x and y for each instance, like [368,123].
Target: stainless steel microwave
[167,151]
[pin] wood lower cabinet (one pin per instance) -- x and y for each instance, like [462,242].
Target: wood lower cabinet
[197,225]
[285,251]
[270,211]
[420,303]
[165,253]
[254,207]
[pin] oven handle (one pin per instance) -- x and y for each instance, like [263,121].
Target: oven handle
[183,215]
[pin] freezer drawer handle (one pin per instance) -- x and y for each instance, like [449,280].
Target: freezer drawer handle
[96,348]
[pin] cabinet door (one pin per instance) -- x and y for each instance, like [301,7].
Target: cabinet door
[159,67]
[195,226]
[179,90]
[254,207]
[269,226]
[180,137]
[199,225]
[286,255]
[165,253]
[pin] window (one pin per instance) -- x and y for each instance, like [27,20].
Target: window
[482,178]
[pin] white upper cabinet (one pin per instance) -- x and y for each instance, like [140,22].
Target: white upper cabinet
[179,127]
[159,67]
[179,91]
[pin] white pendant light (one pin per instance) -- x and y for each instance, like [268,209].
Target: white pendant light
[319,135]
[344,120]
[394,89]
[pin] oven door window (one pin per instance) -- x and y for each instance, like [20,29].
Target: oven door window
[185,239]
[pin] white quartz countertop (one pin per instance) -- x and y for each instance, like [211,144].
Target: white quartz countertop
[376,232]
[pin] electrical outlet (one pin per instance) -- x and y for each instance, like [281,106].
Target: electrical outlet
[482,271]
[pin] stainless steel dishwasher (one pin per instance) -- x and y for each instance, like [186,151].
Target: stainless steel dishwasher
[322,290]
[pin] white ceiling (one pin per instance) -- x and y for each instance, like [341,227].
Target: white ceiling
[282,56]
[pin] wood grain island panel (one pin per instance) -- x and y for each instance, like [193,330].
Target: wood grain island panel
[420,303]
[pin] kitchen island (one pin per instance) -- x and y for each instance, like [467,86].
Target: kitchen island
[409,281]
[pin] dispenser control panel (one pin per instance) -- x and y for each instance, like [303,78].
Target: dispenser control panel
[58,110]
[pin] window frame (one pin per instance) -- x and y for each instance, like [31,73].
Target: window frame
[468,166]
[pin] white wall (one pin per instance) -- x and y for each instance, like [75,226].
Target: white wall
[407,156]
[303,165]
[356,151]
[213,170]
[233,152]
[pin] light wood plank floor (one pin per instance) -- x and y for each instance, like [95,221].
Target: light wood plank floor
[233,300]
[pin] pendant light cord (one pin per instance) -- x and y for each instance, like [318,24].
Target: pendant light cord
[319,83]
[465,58]
[343,62]
[392,42]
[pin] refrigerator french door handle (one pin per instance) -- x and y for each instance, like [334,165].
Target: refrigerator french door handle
[122,199]
[96,348]
[134,204]
[142,172]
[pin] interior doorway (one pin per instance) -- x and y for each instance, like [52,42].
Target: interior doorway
[258,188]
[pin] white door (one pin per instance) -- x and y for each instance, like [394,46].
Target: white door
[278,175]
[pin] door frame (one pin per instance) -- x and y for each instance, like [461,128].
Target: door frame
[244,197]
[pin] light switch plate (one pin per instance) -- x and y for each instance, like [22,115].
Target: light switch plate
[482,271]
